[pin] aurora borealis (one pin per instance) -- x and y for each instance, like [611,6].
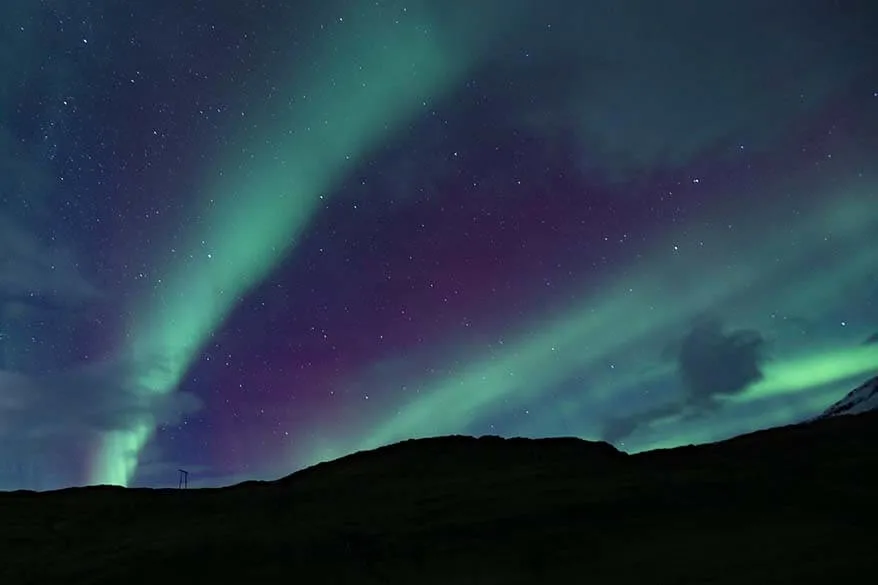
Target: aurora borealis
[241,238]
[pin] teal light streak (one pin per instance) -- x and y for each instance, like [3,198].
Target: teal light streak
[647,305]
[369,78]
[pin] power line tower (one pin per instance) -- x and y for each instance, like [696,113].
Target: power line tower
[183,482]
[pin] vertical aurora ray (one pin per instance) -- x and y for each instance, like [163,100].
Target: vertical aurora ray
[362,87]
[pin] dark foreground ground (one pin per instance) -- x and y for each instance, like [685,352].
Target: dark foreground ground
[793,505]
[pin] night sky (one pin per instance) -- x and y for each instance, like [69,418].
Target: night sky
[242,237]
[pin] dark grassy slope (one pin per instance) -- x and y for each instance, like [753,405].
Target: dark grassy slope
[790,505]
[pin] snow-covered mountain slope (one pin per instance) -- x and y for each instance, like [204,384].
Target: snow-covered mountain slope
[860,399]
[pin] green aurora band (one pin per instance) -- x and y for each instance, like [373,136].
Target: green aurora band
[367,83]
[631,319]
[369,79]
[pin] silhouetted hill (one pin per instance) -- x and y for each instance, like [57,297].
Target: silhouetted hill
[463,457]
[787,505]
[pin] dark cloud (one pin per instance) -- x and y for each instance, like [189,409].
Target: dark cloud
[871,339]
[49,422]
[44,299]
[711,363]
[586,69]
[90,399]
[617,429]
[52,410]
[33,272]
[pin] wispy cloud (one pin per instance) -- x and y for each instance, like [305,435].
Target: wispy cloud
[65,412]
[36,272]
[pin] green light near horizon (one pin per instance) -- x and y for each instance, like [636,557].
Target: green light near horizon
[813,371]
[370,79]
[635,315]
